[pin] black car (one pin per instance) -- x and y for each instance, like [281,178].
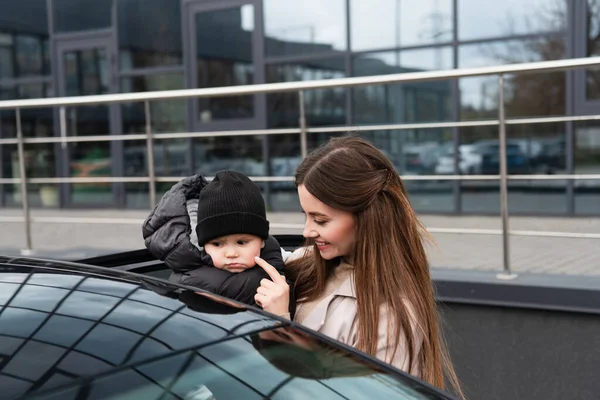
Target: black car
[77,331]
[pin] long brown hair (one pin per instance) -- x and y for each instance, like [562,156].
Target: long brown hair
[389,260]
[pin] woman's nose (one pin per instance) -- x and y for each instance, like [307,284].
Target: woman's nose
[308,232]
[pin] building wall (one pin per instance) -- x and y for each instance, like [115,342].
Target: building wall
[78,47]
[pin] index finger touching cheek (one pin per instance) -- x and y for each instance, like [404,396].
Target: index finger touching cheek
[270,270]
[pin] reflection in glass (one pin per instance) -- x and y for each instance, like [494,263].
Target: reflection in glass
[138,197]
[587,161]
[224,58]
[484,19]
[322,107]
[40,158]
[540,94]
[81,15]
[23,39]
[170,156]
[64,331]
[412,102]
[258,367]
[418,153]
[87,73]
[239,153]
[528,152]
[156,41]
[310,26]
[523,197]
[593,47]
[166,115]
[32,55]
[378,24]
[39,298]
[19,367]
[6,57]
[587,197]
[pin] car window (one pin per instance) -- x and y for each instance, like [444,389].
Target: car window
[279,364]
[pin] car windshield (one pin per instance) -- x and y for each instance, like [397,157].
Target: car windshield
[283,363]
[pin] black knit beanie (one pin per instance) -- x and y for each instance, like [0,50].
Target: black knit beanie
[231,204]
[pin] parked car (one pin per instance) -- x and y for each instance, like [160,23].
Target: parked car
[552,157]
[469,161]
[79,331]
[421,159]
[517,162]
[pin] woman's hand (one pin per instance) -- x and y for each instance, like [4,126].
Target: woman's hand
[272,295]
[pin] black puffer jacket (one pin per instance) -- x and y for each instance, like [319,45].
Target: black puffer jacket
[170,235]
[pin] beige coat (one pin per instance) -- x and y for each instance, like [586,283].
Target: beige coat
[336,316]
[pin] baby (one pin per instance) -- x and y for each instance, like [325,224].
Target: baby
[216,253]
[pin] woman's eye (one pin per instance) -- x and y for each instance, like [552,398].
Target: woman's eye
[320,222]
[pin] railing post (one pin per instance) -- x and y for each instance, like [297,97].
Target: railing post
[150,155]
[63,127]
[303,143]
[24,197]
[506,274]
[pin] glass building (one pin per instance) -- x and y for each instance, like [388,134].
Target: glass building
[84,47]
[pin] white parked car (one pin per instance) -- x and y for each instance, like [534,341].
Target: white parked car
[469,161]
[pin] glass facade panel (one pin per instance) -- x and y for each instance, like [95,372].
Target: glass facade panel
[540,94]
[86,73]
[592,17]
[479,19]
[414,102]
[10,193]
[171,157]
[322,107]
[81,15]
[40,158]
[524,197]
[587,161]
[539,152]
[166,115]
[302,41]
[224,57]
[284,158]
[35,122]
[300,27]
[156,41]
[399,23]
[416,153]
[23,39]
[238,153]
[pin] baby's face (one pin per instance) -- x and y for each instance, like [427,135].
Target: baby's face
[234,253]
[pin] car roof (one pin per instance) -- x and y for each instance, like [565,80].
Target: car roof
[90,320]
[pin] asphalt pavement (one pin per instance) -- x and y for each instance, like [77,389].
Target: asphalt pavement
[63,235]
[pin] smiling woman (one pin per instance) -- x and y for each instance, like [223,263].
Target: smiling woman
[363,278]
[331,230]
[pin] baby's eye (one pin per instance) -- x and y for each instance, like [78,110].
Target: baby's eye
[242,242]
[216,244]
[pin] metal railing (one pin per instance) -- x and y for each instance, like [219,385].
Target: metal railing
[150,137]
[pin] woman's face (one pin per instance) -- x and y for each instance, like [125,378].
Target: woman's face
[332,230]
